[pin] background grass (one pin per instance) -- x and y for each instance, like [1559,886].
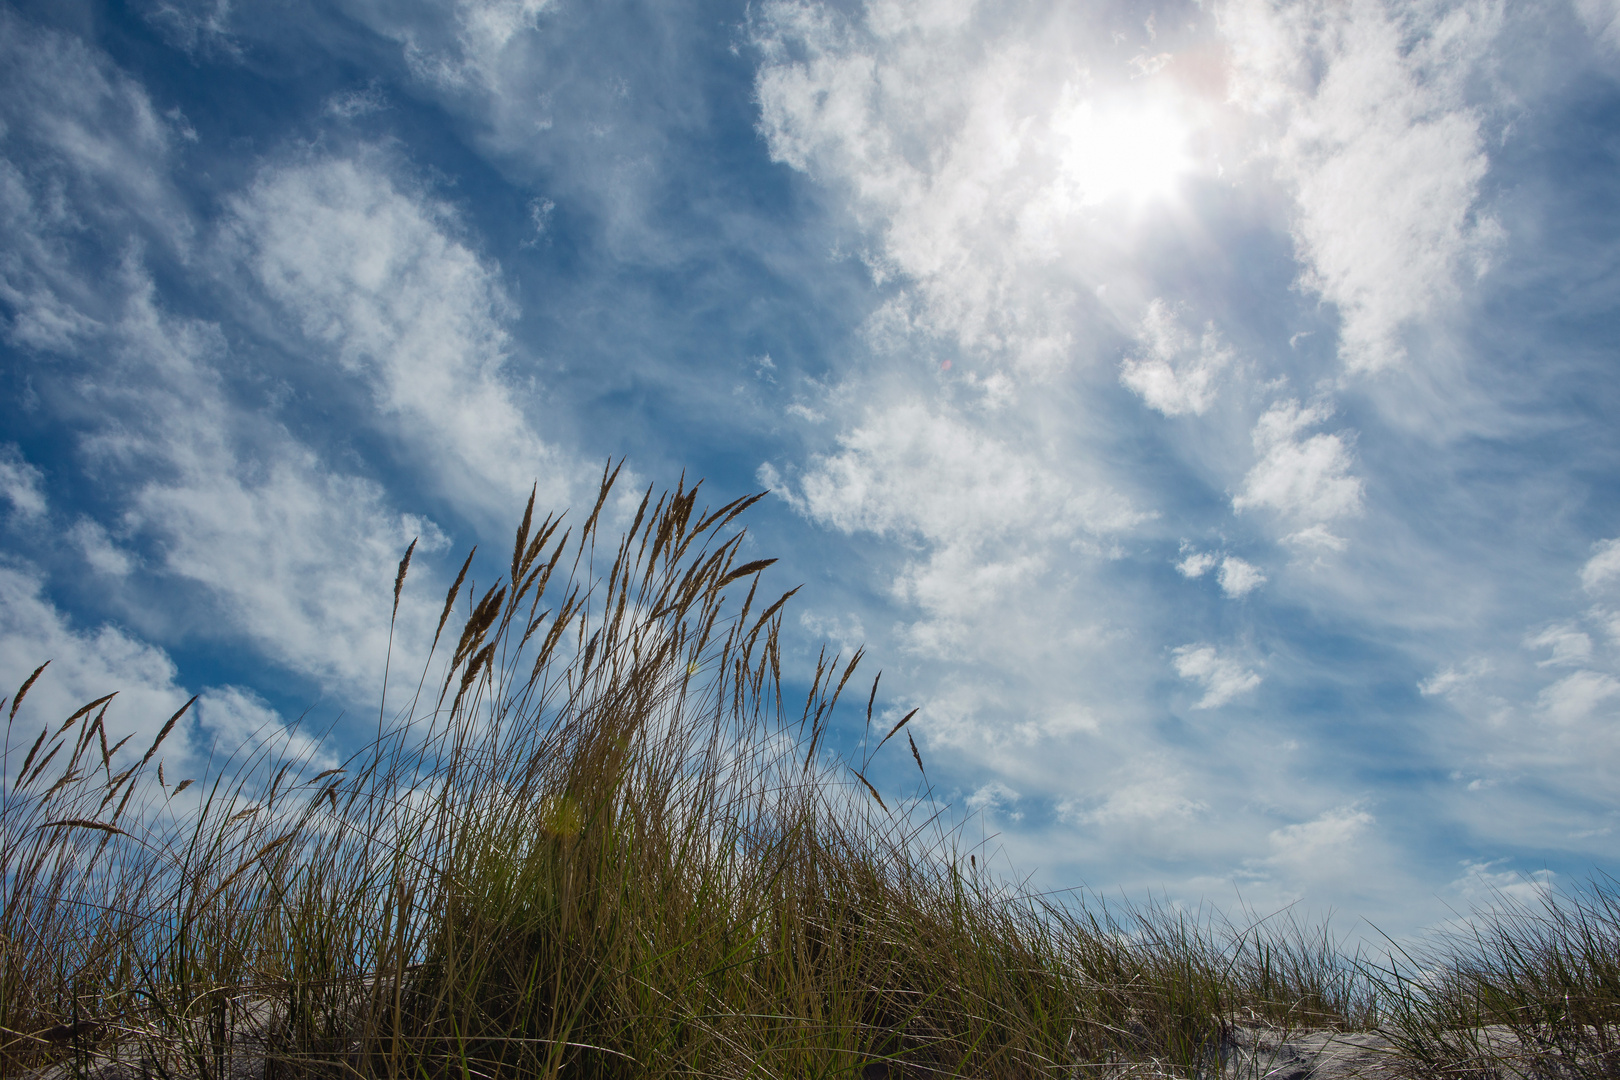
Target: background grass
[598,842]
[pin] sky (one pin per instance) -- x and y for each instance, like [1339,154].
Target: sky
[1203,412]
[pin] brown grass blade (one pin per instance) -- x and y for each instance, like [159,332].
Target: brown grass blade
[450,597]
[85,823]
[246,865]
[29,760]
[22,691]
[868,784]
[743,571]
[399,578]
[164,734]
[904,720]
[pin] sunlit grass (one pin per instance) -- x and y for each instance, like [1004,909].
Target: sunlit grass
[598,842]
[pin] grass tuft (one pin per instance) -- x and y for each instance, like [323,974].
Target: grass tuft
[616,853]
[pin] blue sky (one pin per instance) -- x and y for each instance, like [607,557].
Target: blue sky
[1202,411]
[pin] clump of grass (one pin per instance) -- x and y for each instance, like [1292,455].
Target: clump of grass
[1526,989]
[599,842]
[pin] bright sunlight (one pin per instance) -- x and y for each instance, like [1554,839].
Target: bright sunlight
[1135,152]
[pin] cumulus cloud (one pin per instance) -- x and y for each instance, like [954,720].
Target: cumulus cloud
[995,797]
[1222,677]
[1381,146]
[1239,578]
[1485,888]
[1307,479]
[1197,564]
[1176,370]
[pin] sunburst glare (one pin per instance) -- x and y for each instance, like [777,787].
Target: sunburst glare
[1134,151]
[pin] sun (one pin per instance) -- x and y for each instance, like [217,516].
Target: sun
[1123,151]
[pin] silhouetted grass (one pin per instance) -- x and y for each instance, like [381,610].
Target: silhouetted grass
[600,843]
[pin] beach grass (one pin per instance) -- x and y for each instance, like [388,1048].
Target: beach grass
[593,837]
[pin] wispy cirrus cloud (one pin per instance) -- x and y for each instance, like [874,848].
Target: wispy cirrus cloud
[376,278]
[1383,149]
[198,484]
[21,483]
[1152,389]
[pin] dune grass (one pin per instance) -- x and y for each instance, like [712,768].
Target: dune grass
[1527,988]
[599,842]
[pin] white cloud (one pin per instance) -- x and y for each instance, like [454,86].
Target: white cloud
[1573,699]
[1450,680]
[100,552]
[1383,151]
[805,413]
[1222,677]
[1000,173]
[994,797]
[282,551]
[458,45]
[351,104]
[1602,19]
[844,631]
[1324,847]
[376,275]
[1147,792]
[913,470]
[1239,578]
[1486,889]
[1308,478]
[190,23]
[1316,537]
[1197,564]
[1569,645]
[20,482]
[295,557]
[1177,371]
[1603,567]
[82,152]
[996,229]
[86,664]
[992,516]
